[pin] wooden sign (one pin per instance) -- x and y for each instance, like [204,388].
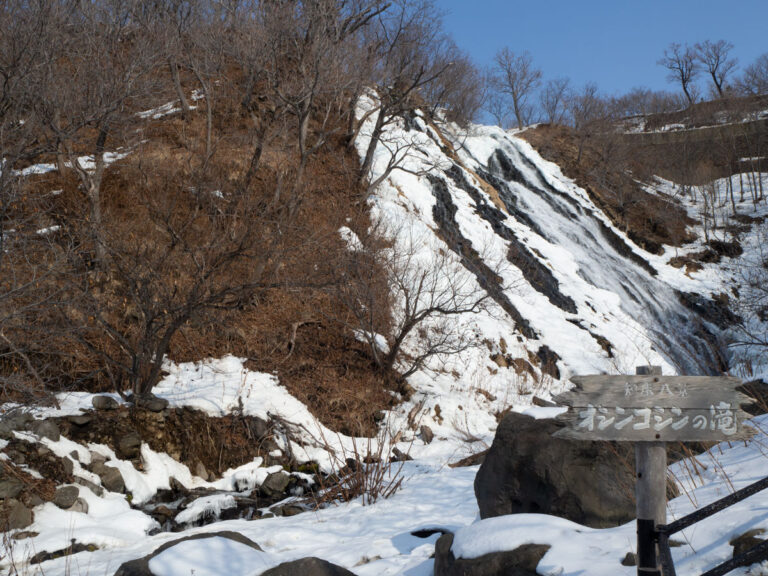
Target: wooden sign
[654,408]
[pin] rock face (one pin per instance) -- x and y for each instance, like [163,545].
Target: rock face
[308,567]
[140,566]
[519,562]
[526,470]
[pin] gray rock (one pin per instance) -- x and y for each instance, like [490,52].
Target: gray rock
[13,421]
[112,479]
[68,465]
[45,429]
[33,500]
[275,484]
[10,487]
[19,516]
[80,505]
[526,470]
[201,471]
[426,434]
[105,403]
[129,445]
[744,542]
[519,562]
[140,566]
[81,419]
[66,496]
[308,567]
[630,559]
[151,402]
[95,488]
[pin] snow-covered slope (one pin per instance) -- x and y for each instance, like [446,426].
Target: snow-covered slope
[571,281]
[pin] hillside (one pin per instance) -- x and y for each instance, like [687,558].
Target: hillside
[272,302]
[535,283]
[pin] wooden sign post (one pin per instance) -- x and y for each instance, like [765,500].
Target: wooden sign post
[650,409]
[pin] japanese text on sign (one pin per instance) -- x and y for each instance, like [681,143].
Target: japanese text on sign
[721,418]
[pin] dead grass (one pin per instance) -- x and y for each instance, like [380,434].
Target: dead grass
[319,361]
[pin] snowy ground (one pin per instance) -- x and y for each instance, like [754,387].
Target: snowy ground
[378,540]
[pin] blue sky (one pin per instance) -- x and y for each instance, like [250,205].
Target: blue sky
[614,43]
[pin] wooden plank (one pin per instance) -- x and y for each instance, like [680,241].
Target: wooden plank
[720,421]
[683,392]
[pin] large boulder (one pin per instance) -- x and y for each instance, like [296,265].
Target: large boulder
[140,566]
[308,567]
[519,562]
[527,470]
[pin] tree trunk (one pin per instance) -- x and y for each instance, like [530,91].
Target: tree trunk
[177,86]
[352,120]
[208,114]
[718,85]
[375,135]
[253,165]
[687,94]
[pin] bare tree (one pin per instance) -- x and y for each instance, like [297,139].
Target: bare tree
[516,77]
[554,98]
[32,251]
[185,258]
[409,52]
[715,56]
[88,95]
[587,108]
[643,102]
[681,64]
[459,92]
[755,77]
[426,293]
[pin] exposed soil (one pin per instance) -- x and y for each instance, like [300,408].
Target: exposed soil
[189,436]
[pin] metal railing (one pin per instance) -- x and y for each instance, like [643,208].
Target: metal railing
[664,531]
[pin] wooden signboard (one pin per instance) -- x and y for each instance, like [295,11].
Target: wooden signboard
[654,409]
[650,409]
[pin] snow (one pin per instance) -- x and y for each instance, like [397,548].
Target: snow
[208,557]
[222,386]
[110,523]
[377,540]
[164,110]
[48,230]
[206,507]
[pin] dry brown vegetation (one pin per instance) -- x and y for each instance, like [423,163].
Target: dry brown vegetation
[218,232]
